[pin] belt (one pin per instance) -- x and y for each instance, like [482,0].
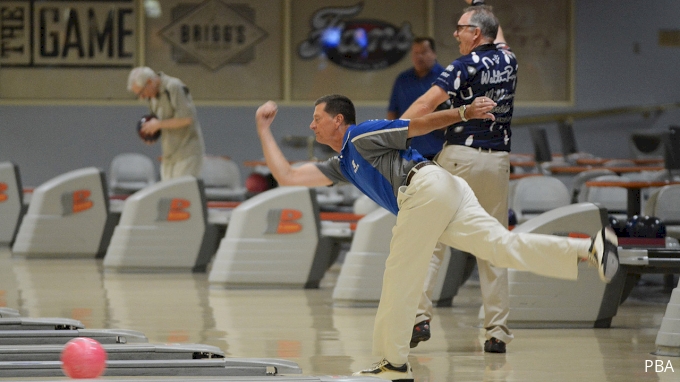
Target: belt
[483,150]
[480,149]
[416,168]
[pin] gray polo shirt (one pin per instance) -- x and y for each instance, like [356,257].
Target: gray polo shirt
[174,101]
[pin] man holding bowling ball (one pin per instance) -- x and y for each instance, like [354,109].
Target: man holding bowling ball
[175,115]
[149,139]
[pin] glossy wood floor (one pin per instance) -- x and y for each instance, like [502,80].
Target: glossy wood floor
[304,327]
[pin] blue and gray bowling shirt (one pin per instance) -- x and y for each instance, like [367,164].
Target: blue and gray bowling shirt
[487,71]
[376,158]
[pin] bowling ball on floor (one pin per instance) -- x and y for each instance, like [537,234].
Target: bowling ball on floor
[83,358]
[147,138]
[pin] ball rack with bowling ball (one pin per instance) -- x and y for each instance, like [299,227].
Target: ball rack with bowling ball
[643,233]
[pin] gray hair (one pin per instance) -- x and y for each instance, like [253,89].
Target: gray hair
[483,17]
[139,76]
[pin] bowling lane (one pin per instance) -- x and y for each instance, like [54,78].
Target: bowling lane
[69,288]
[171,308]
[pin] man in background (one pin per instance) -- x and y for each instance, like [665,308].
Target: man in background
[411,84]
[170,101]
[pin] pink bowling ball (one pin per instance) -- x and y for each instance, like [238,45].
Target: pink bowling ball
[83,358]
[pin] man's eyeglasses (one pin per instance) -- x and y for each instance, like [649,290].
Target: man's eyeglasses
[460,27]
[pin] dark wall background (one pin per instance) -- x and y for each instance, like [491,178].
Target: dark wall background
[618,62]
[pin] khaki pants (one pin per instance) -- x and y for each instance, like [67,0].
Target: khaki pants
[175,169]
[439,207]
[488,175]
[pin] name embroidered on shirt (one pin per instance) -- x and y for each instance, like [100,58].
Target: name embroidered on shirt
[498,76]
[355,166]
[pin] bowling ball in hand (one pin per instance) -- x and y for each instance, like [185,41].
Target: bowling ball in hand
[147,138]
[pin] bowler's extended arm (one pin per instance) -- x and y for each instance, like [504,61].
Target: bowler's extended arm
[285,174]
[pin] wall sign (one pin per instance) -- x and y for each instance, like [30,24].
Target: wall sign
[213,33]
[351,47]
[355,43]
[68,33]
[224,50]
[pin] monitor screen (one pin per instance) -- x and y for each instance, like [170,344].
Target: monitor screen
[539,138]
[568,139]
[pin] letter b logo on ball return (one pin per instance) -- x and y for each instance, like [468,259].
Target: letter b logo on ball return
[76,201]
[3,195]
[283,221]
[173,209]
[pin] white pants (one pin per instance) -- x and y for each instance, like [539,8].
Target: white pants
[440,207]
[488,174]
[175,169]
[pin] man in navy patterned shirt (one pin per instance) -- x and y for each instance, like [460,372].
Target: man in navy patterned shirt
[431,206]
[476,150]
